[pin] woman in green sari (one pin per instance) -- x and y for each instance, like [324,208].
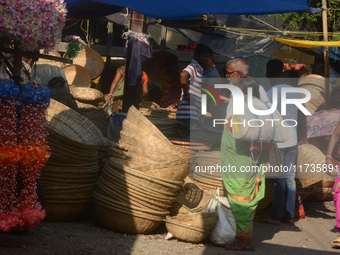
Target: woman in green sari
[243,187]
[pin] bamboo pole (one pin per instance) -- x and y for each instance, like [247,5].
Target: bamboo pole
[325,52]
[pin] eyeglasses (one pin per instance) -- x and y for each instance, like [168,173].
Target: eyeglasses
[229,73]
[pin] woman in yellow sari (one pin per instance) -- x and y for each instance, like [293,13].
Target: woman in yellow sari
[244,188]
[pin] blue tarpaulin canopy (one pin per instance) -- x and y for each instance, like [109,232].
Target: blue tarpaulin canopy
[185,9]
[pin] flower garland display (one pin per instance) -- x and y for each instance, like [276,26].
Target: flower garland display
[9,154]
[21,208]
[74,45]
[35,24]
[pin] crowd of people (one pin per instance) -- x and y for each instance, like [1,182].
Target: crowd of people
[183,90]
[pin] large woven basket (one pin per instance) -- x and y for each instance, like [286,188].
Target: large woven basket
[73,125]
[316,85]
[77,76]
[193,227]
[191,201]
[86,94]
[71,210]
[309,157]
[91,61]
[312,80]
[118,191]
[47,69]
[145,179]
[125,218]
[321,190]
[136,118]
[99,117]
[142,187]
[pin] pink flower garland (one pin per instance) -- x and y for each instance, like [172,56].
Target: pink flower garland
[33,143]
[30,156]
[9,155]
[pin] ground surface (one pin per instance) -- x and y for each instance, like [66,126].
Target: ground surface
[312,235]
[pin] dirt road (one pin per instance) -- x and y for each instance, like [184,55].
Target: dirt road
[312,235]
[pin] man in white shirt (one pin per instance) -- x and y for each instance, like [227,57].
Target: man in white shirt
[284,186]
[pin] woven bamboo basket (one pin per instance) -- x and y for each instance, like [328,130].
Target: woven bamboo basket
[191,201]
[70,150]
[77,75]
[148,105]
[321,190]
[175,170]
[126,155]
[71,210]
[69,178]
[193,227]
[312,80]
[146,137]
[125,218]
[74,170]
[308,158]
[91,61]
[47,69]
[86,94]
[142,178]
[162,112]
[136,118]
[99,117]
[129,137]
[119,193]
[114,177]
[88,106]
[80,194]
[77,128]
[148,194]
[209,184]
[316,85]
[317,98]
[70,189]
[169,127]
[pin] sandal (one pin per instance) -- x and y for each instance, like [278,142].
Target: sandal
[336,242]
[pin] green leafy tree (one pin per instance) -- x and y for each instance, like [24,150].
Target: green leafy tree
[306,21]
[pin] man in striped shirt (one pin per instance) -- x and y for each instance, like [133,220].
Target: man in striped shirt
[188,112]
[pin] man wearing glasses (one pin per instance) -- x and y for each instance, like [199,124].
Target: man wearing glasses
[238,68]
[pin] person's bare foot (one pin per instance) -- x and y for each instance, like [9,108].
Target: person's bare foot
[289,222]
[272,221]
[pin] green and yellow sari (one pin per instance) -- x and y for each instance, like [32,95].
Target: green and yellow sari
[244,188]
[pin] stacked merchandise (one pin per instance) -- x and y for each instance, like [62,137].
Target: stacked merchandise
[90,103]
[71,173]
[140,182]
[189,221]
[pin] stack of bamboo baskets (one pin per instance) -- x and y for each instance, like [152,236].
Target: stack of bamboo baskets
[316,85]
[70,174]
[90,103]
[140,183]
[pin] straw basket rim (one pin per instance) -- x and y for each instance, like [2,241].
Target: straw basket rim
[77,75]
[66,122]
[86,94]
[91,60]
